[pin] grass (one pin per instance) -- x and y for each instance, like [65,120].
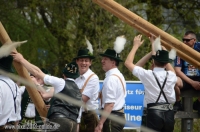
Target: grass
[196,125]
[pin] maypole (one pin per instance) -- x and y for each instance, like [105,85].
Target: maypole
[33,93]
[184,51]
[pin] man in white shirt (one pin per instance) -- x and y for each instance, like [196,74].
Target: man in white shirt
[88,83]
[61,112]
[159,86]
[113,93]
[9,97]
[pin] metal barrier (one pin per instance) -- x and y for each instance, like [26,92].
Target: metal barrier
[187,116]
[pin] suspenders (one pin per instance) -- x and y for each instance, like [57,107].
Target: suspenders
[14,97]
[161,88]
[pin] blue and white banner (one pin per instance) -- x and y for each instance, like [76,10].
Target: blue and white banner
[134,102]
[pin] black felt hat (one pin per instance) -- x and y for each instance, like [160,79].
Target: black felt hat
[162,56]
[6,63]
[71,70]
[112,54]
[84,53]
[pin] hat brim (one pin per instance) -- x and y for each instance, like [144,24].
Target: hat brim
[85,56]
[162,61]
[117,59]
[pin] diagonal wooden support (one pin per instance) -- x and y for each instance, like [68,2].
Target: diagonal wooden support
[145,27]
[33,93]
[147,33]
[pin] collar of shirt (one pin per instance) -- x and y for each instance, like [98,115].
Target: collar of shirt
[158,69]
[86,74]
[112,71]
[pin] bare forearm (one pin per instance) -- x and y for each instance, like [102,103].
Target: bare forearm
[107,108]
[129,60]
[48,94]
[144,59]
[183,76]
[32,69]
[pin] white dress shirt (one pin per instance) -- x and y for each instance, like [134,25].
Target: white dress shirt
[91,90]
[57,83]
[152,89]
[113,90]
[7,107]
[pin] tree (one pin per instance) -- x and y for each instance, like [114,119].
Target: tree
[55,30]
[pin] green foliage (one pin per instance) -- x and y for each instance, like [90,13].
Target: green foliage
[55,29]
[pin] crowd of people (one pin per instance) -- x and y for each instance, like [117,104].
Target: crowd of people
[162,83]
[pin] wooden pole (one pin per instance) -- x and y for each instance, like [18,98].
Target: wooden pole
[33,93]
[137,21]
[145,32]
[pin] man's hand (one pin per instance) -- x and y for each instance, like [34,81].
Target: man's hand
[152,38]
[17,56]
[137,40]
[99,127]
[163,48]
[195,84]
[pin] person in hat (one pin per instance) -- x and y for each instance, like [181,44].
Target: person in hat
[113,92]
[88,83]
[61,112]
[158,83]
[10,97]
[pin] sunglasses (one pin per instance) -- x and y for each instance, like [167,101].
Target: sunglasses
[187,40]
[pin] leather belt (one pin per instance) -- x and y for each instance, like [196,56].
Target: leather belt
[57,115]
[121,110]
[160,106]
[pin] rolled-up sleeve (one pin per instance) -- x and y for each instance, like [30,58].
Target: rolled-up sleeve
[57,83]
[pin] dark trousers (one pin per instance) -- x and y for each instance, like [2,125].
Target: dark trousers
[159,120]
[113,126]
[65,125]
[89,121]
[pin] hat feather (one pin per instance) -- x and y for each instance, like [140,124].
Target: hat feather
[119,44]
[7,48]
[172,54]
[157,44]
[89,45]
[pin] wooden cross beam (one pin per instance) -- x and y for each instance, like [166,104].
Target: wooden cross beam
[33,93]
[184,51]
